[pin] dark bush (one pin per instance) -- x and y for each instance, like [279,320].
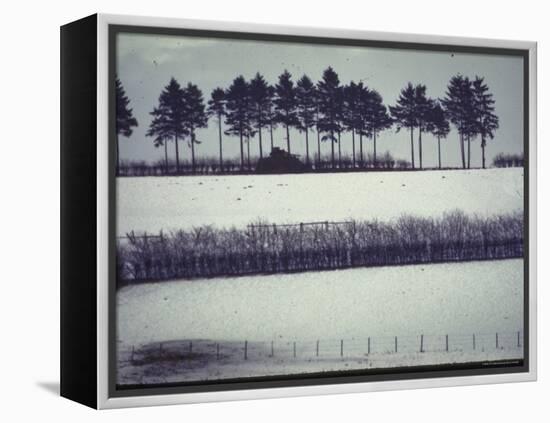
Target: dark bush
[508,160]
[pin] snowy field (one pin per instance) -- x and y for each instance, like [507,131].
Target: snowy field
[349,306]
[152,204]
[177,331]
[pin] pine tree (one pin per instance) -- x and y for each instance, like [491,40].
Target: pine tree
[438,125]
[125,119]
[305,99]
[260,100]
[160,130]
[271,115]
[329,97]
[423,104]
[195,116]
[404,113]
[352,113]
[317,118]
[487,121]
[363,113]
[378,118]
[216,107]
[171,111]
[237,111]
[285,104]
[340,119]
[460,109]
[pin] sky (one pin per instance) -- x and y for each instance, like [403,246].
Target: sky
[146,62]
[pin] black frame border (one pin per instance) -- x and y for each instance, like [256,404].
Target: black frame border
[328,378]
[78,211]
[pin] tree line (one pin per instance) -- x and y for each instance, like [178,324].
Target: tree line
[209,165]
[253,109]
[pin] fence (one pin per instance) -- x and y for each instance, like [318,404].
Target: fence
[474,346]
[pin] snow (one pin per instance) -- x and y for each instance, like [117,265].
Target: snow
[152,204]
[455,299]
[458,299]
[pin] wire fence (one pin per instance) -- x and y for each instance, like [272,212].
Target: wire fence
[343,348]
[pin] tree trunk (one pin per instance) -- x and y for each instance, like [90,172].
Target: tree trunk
[271,134]
[117,157]
[248,152]
[420,146]
[177,155]
[361,148]
[412,146]
[332,147]
[193,151]
[318,147]
[439,150]
[461,140]
[483,152]
[353,146]
[242,149]
[307,145]
[166,155]
[260,141]
[287,139]
[339,151]
[220,135]
[374,142]
[468,151]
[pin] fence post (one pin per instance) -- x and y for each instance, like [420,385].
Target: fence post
[317,349]
[368,346]
[422,343]
[246,350]
[496,340]
[294,348]
[396,344]
[272,352]
[474,340]
[518,340]
[447,343]
[341,347]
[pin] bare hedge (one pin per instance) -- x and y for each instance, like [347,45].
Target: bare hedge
[263,248]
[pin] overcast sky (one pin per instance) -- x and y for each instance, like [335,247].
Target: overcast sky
[145,64]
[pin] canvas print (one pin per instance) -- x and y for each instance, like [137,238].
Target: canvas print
[294,208]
